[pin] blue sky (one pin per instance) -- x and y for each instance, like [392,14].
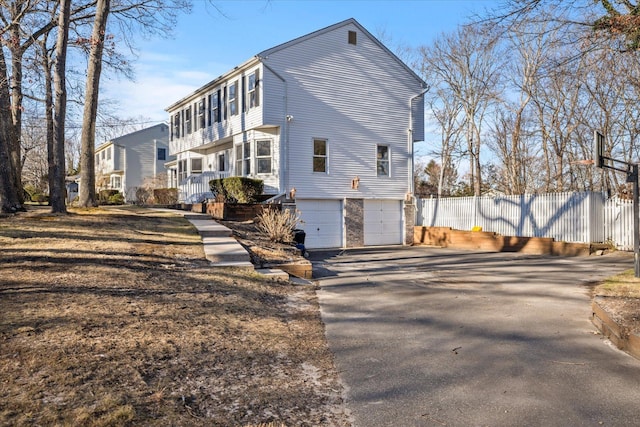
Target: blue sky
[208,43]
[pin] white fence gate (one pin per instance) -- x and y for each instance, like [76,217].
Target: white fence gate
[571,217]
[618,223]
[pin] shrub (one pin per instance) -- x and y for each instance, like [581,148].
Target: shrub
[143,196]
[166,196]
[278,225]
[110,197]
[237,189]
[103,195]
[116,199]
[243,190]
[217,188]
[33,194]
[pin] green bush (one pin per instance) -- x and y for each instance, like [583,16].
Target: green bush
[165,196]
[34,195]
[110,197]
[217,188]
[116,199]
[237,189]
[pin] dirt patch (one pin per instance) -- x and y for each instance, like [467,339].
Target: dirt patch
[619,296]
[624,311]
[114,317]
[263,251]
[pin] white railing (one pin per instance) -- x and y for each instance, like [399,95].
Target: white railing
[195,188]
[571,217]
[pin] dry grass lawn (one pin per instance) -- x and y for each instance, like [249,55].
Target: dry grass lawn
[112,317]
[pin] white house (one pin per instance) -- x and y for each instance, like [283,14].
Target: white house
[124,163]
[330,117]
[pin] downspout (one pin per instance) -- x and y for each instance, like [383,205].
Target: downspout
[410,142]
[155,160]
[284,145]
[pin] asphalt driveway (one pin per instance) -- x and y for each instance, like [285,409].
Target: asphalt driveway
[437,337]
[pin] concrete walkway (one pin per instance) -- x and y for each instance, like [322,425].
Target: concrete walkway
[220,247]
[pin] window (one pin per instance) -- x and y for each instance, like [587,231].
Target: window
[108,150]
[222,163]
[263,156]
[182,170]
[116,182]
[223,103]
[320,155]
[103,155]
[176,126]
[196,165]
[252,90]
[233,99]
[243,159]
[215,106]
[187,119]
[382,163]
[162,154]
[238,160]
[352,37]
[246,148]
[97,158]
[201,114]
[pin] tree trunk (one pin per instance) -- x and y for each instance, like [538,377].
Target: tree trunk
[57,192]
[48,110]
[9,200]
[87,195]
[15,150]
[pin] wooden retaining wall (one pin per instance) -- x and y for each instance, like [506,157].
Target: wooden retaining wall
[492,242]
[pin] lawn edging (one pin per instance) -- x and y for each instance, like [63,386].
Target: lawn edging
[618,335]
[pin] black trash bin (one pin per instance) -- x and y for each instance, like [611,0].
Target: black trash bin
[298,236]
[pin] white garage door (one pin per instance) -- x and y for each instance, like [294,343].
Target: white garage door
[382,222]
[322,222]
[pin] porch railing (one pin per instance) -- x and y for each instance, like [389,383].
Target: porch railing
[195,188]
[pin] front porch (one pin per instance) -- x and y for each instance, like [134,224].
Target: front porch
[195,188]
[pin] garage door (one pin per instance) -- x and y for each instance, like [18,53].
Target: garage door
[382,222]
[322,222]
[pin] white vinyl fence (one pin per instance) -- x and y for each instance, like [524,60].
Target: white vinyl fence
[585,217]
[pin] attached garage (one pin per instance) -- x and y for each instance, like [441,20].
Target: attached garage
[322,222]
[383,222]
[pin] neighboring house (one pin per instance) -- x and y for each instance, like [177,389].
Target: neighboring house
[127,162]
[329,118]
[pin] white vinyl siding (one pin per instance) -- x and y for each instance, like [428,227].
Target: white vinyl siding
[229,108]
[330,84]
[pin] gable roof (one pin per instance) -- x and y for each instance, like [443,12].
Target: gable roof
[351,21]
[117,140]
[265,54]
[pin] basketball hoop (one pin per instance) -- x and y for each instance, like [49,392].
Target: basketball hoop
[586,162]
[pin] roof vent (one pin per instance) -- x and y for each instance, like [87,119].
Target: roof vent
[352,37]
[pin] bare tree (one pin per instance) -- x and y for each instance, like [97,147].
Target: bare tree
[57,191]
[87,194]
[467,64]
